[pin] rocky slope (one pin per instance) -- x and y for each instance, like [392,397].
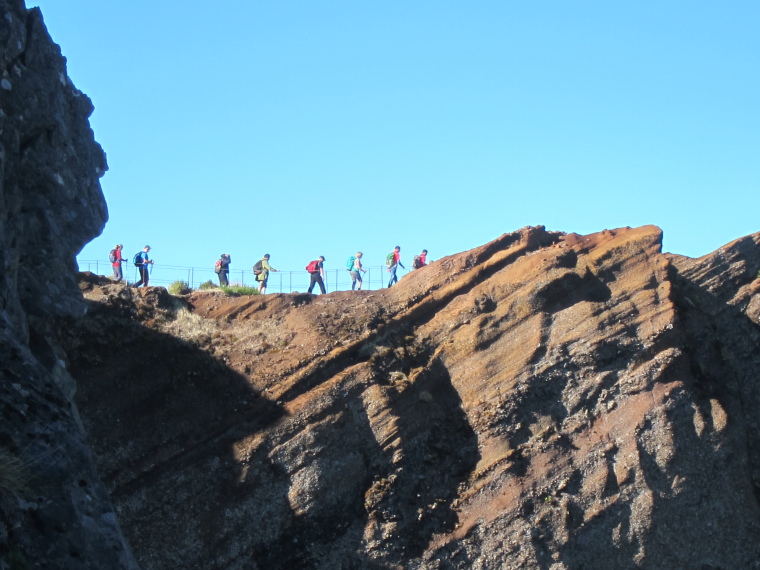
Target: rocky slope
[544,401]
[55,512]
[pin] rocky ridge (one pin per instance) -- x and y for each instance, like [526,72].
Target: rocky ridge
[543,401]
[55,511]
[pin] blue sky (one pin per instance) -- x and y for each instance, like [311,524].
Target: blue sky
[302,129]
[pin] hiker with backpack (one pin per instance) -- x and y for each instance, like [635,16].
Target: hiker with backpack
[420,260]
[116,260]
[354,265]
[392,262]
[317,273]
[142,262]
[222,269]
[261,270]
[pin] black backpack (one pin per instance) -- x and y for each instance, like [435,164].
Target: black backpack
[258,268]
[138,260]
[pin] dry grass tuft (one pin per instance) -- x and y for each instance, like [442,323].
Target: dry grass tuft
[190,327]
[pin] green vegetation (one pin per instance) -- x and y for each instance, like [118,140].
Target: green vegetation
[179,288]
[13,476]
[17,560]
[206,285]
[238,290]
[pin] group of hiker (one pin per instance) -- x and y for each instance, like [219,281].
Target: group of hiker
[262,268]
[141,261]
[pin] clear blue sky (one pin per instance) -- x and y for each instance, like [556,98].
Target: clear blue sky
[309,128]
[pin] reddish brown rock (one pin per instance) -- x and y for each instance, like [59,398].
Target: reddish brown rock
[543,401]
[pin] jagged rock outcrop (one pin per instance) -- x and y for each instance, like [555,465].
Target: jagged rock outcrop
[55,512]
[544,401]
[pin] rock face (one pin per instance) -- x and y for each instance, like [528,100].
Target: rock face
[544,401]
[55,512]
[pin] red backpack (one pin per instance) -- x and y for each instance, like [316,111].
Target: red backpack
[313,266]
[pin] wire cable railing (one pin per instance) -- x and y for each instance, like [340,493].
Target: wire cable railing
[279,282]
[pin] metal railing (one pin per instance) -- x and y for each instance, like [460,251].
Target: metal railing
[279,282]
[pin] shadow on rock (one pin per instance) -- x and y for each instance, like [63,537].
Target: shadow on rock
[163,418]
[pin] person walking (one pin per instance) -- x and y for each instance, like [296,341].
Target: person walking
[356,271]
[116,261]
[392,262]
[316,271]
[142,262]
[420,260]
[263,268]
[223,266]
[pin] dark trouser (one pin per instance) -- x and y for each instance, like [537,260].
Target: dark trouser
[223,280]
[317,278]
[143,276]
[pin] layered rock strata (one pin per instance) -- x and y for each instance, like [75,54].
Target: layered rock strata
[544,401]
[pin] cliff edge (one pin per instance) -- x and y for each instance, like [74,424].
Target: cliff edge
[55,511]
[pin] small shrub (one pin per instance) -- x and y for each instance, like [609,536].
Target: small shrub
[179,288]
[17,560]
[206,285]
[13,475]
[237,290]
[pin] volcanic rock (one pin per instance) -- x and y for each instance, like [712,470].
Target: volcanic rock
[543,401]
[55,511]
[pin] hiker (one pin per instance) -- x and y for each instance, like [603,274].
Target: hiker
[317,273]
[356,270]
[222,268]
[142,262]
[261,271]
[420,260]
[116,260]
[392,262]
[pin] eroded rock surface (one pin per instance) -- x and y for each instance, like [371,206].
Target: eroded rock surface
[544,401]
[55,512]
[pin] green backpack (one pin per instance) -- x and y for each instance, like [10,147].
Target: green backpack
[389,259]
